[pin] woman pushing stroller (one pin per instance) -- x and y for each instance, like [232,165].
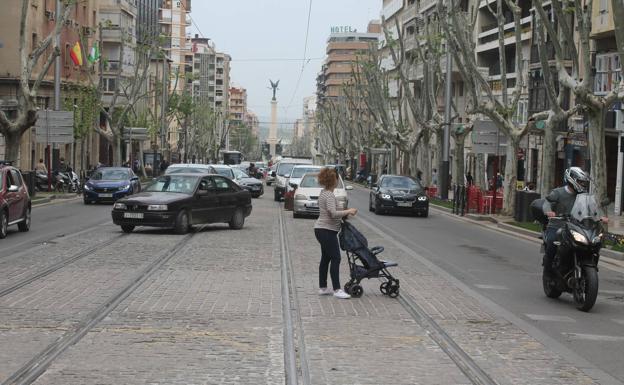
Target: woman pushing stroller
[326,231]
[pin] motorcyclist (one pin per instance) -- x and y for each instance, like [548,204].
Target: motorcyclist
[558,203]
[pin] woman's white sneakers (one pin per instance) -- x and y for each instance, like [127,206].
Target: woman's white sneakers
[341,294]
[337,293]
[326,291]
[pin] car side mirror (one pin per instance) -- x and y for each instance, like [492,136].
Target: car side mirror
[349,187]
[374,185]
[201,193]
[13,188]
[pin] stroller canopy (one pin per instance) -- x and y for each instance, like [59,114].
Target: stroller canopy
[353,241]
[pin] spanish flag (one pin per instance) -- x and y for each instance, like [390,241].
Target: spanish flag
[76,54]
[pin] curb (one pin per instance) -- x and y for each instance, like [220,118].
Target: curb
[53,200]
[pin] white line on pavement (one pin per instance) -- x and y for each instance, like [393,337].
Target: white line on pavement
[593,337]
[492,287]
[551,318]
[618,321]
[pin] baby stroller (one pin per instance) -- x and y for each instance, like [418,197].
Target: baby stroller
[363,263]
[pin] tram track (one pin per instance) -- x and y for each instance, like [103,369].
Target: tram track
[57,266]
[295,355]
[34,368]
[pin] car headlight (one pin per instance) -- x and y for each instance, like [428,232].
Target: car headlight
[301,197]
[126,187]
[157,208]
[87,187]
[422,198]
[386,196]
[578,237]
[120,206]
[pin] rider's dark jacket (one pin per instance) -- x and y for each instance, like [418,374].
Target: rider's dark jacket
[559,201]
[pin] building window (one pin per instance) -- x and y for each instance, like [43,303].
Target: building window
[110,85]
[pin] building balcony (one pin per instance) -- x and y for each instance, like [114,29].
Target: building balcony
[392,8]
[410,12]
[491,43]
[606,81]
[112,34]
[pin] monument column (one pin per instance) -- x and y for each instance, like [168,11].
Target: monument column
[272,139]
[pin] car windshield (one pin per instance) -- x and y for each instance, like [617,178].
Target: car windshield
[226,172]
[187,170]
[400,182]
[110,174]
[239,174]
[311,181]
[173,183]
[284,169]
[298,172]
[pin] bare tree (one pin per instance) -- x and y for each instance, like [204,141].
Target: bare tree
[574,18]
[13,129]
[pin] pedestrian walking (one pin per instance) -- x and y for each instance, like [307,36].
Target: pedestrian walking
[434,177]
[469,179]
[326,231]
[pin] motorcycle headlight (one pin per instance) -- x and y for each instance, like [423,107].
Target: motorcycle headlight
[157,208]
[578,237]
[301,197]
[422,198]
[120,206]
[386,196]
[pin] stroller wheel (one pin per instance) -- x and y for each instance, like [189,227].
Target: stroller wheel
[393,291]
[356,291]
[383,288]
[347,287]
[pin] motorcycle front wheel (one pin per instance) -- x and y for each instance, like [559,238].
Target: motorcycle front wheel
[586,290]
[550,286]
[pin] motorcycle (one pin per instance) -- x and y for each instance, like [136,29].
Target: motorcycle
[575,265]
[74,182]
[41,181]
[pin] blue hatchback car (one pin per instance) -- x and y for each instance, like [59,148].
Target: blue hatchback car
[107,184]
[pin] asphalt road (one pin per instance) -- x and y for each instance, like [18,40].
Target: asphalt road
[54,221]
[507,270]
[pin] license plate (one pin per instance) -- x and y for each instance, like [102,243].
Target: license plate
[133,215]
[313,204]
[105,195]
[404,204]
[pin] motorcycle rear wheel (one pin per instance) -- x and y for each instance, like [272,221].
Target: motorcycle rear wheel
[550,286]
[587,291]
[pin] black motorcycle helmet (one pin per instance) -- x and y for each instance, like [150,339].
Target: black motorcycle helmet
[577,179]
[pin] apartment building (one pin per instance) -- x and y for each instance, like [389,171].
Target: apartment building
[237,106]
[252,121]
[41,22]
[211,80]
[343,47]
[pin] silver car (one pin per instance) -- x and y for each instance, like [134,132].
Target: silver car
[307,193]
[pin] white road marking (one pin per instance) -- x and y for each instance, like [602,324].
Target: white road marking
[551,318]
[492,287]
[593,337]
[618,321]
[611,292]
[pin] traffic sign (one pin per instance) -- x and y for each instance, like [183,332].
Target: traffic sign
[487,139]
[135,133]
[54,127]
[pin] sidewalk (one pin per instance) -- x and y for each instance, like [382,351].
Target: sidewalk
[374,339]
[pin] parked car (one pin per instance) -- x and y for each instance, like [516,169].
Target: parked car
[253,185]
[109,184]
[190,168]
[297,174]
[224,170]
[15,203]
[284,167]
[179,201]
[270,178]
[307,193]
[394,193]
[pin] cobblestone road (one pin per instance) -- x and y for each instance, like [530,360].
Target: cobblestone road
[213,315]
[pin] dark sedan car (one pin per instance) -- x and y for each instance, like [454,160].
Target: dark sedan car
[253,185]
[394,193]
[110,184]
[179,201]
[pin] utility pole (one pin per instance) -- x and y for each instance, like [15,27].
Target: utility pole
[57,93]
[446,143]
[163,107]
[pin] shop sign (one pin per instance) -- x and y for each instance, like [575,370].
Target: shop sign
[343,29]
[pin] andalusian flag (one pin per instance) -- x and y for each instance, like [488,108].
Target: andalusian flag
[94,54]
[76,54]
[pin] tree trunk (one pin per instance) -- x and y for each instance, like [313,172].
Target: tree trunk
[549,157]
[426,163]
[511,176]
[459,158]
[116,143]
[480,172]
[12,147]
[597,154]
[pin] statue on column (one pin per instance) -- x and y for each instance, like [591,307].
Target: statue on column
[274,87]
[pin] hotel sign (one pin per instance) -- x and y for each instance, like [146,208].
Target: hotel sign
[343,29]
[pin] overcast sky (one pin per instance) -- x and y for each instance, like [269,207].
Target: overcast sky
[266,39]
